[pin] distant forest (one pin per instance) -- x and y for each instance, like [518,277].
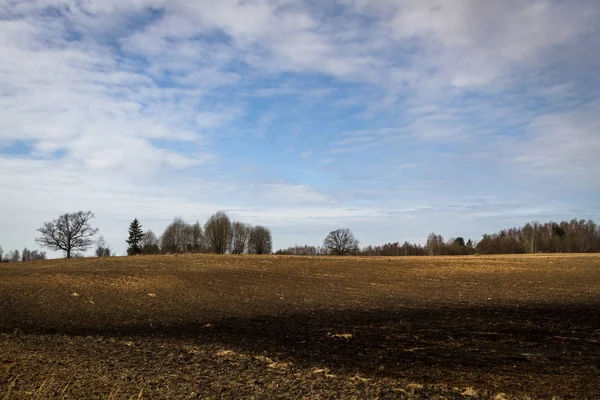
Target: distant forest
[221,235]
[575,236]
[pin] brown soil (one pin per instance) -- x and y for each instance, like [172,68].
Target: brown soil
[301,327]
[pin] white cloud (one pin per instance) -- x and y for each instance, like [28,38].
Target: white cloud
[564,146]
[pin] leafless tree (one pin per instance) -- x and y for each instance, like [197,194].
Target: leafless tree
[32,255]
[150,243]
[196,237]
[69,232]
[102,249]
[13,256]
[175,237]
[435,245]
[1,253]
[300,250]
[260,240]
[218,233]
[240,234]
[340,242]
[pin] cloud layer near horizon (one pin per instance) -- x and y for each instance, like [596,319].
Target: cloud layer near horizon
[394,118]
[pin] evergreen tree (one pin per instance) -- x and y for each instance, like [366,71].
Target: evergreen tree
[135,238]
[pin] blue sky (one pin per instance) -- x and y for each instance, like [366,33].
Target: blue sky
[392,118]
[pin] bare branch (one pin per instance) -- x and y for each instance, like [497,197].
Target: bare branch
[260,241]
[341,241]
[69,232]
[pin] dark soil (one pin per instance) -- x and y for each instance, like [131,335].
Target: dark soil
[291,327]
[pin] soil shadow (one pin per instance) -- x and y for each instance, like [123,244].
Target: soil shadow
[553,349]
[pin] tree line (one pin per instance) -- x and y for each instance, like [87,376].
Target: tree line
[219,235]
[343,242]
[73,234]
[25,255]
[339,242]
[575,236]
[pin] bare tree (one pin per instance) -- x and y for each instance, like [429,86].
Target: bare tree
[102,249]
[37,255]
[435,244]
[196,237]
[13,256]
[32,255]
[69,232]
[300,250]
[1,254]
[240,233]
[340,242]
[26,254]
[175,237]
[260,240]
[150,243]
[218,232]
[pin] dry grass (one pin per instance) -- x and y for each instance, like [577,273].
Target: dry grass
[201,326]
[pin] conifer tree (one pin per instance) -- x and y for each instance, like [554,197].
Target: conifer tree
[135,238]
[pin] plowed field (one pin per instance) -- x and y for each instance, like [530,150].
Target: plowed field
[200,326]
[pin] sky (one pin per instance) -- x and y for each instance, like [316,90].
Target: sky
[392,118]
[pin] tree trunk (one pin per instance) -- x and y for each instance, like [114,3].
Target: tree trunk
[69,253]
